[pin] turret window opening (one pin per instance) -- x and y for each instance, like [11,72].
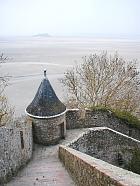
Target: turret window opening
[22,140]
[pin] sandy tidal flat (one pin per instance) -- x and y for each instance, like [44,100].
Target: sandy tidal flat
[28,57]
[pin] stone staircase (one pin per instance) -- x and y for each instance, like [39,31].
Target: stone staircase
[45,169]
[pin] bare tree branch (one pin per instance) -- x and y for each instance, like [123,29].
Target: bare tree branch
[6,112]
[104,80]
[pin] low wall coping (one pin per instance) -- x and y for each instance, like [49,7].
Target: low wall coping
[122,176]
[101,129]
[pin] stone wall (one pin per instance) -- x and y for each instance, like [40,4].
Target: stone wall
[110,146]
[48,131]
[15,148]
[88,171]
[76,119]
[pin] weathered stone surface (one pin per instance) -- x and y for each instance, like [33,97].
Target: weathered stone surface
[14,151]
[89,171]
[74,119]
[48,131]
[108,145]
[45,168]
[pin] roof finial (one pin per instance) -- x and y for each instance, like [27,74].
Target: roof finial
[45,73]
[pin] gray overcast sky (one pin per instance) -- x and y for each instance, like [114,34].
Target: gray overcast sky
[69,17]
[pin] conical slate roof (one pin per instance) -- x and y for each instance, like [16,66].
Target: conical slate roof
[45,103]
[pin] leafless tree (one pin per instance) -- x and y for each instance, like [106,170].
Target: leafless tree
[6,112]
[104,80]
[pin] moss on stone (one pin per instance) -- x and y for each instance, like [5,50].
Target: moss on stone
[134,164]
[127,117]
[99,108]
[124,116]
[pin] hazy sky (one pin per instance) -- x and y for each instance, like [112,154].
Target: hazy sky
[69,17]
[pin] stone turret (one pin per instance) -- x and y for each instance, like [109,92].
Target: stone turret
[47,113]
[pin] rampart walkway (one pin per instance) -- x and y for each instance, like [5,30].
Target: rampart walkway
[45,169]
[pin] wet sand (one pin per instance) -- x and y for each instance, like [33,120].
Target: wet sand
[28,57]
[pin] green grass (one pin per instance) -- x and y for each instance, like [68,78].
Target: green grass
[122,115]
[99,108]
[134,164]
[128,117]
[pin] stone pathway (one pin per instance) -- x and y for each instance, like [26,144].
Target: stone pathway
[45,169]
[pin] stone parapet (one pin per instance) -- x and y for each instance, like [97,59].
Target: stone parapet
[110,146]
[88,171]
[76,118]
[15,148]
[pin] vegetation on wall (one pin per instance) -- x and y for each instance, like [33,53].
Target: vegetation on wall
[124,116]
[128,117]
[105,80]
[134,164]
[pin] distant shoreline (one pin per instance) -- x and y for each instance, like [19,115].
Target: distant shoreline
[96,37]
[42,35]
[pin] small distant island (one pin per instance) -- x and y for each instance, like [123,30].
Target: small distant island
[42,35]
